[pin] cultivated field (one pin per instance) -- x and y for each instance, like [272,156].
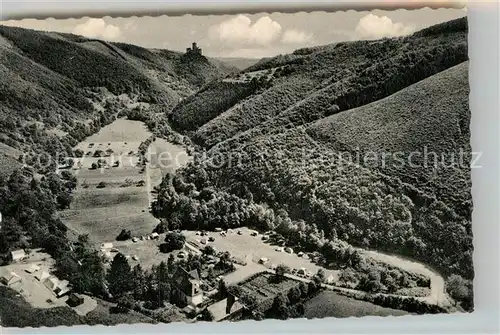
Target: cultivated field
[263,287]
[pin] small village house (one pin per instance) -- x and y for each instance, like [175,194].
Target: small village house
[227,309]
[187,288]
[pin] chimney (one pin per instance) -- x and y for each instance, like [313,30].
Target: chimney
[231,299]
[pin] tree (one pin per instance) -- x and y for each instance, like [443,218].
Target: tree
[320,277]
[207,315]
[281,270]
[173,241]
[64,200]
[124,304]
[304,289]
[460,289]
[280,307]
[209,250]
[225,258]
[119,276]
[93,166]
[138,282]
[79,153]
[370,282]
[101,185]
[294,294]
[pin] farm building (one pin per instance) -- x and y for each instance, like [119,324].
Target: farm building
[229,308]
[10,279]
[74,300]
[187,287]
[42,276]
[18,255]
[33,268]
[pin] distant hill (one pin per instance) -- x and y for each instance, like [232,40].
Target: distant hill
[304,86]
[239,63]
[54,84]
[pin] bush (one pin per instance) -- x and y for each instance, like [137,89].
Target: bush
[124,235]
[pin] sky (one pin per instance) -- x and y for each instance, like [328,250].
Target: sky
[248,36]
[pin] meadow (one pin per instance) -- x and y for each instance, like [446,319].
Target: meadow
[109,200]
[331,304]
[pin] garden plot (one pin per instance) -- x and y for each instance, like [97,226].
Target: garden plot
[263,287]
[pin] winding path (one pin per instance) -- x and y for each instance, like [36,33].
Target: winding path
[438,294]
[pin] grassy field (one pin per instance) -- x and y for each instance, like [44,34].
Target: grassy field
[118,133]
[124,202]
[331,304]
[104,212]
[147,251]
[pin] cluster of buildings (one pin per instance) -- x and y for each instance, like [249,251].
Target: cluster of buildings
[58,287]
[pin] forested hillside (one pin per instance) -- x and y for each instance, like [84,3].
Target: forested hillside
[292,155]
[314,82]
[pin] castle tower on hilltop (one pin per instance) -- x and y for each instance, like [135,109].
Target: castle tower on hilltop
[194,50]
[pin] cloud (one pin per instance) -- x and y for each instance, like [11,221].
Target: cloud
[373,27]
[240,30]
[292,36]
[97,28]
